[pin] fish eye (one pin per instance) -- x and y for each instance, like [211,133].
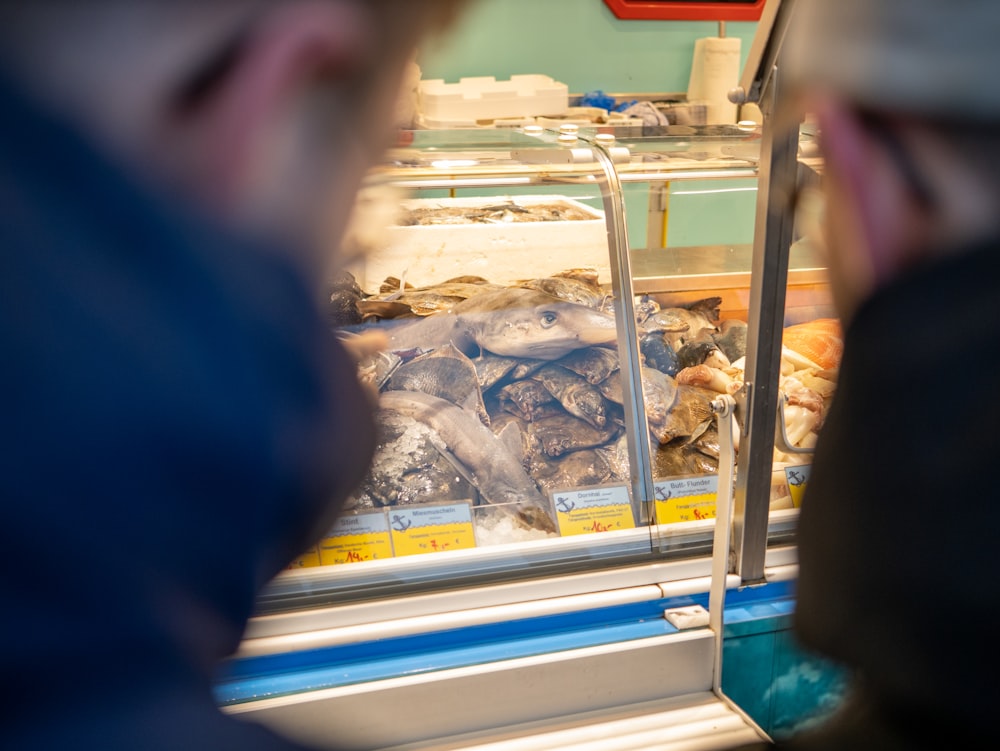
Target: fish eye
[548,318]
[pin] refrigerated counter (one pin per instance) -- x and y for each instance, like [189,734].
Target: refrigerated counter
[532,551]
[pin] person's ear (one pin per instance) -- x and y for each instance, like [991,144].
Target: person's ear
[234,125]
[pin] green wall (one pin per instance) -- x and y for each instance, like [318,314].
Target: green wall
[582,44]
[578,42]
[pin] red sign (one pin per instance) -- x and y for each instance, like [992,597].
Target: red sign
[687,10]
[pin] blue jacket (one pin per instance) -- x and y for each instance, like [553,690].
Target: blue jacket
[176,424]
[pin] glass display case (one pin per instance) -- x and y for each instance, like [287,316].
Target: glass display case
[566,396]
[545,397]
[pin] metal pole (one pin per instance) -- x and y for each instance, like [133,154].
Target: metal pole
[769,276]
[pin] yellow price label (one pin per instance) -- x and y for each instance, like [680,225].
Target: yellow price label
[797,478]
[432,529]
[686,499]
[356,538]
[306,559]
[585,511]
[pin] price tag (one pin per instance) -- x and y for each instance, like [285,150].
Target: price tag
[306,559]
[594,509]
[686,499]
[357,537]
[797,477]
[430,529]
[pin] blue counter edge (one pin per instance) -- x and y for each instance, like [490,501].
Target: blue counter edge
[748,610]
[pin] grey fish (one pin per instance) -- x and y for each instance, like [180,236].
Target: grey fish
[645,306]
[658,353]
[569,289]
[682,324]
[615,454]
[696,353]
[732,338]
[513,322]
[344,296]
[577,469]
[437,298]
[445,373]
[526,399]
[576,395]
[593,363]
[491,369]
[411,466]
[498,474]
[526,367]
[659,392]
[690,415]
[561,434]
[696,456]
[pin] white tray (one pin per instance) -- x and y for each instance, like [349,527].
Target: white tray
[422,255]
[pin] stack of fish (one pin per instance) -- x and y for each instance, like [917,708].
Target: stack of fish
[504,394]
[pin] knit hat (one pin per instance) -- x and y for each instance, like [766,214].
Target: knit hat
[938,58]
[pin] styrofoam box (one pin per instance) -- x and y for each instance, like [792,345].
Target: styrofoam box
[503,252]
[486,98]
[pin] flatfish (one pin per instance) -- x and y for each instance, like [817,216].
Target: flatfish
[563,433]
[491,369]
[569,289]
[682,324]
[526,399]
[437,298]
[577,396]
[495,471]
[698,456]
[577,469]
[445,373]
[690,415]
[593,363]
[616,455]
[659,392]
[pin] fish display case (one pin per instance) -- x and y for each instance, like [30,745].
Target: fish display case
[577,470]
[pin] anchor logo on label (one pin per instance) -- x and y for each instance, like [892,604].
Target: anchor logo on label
[564,504]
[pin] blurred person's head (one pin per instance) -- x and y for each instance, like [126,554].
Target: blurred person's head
[263,114]
[905,97]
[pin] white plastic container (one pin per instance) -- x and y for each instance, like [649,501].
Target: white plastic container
[501,252]
[485,98]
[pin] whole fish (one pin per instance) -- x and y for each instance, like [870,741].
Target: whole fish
[683,324]
[593,363]
[495,471]
[569,289]
[445,373]
[577,469]
[511,321]
[578,397]
[732,338]
[563,433]
[525,399]
[659,354]
[411,466]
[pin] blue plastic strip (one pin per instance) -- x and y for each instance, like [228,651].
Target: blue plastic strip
[284,674]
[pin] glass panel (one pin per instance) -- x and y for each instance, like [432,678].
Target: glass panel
[812,344]
[508,446]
